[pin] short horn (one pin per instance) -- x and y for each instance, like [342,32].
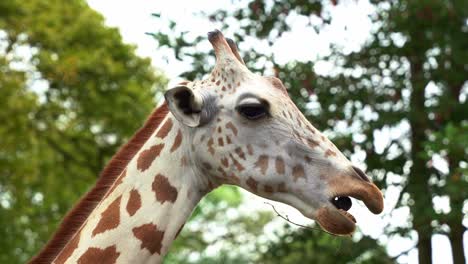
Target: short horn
[235,50]
[221,47]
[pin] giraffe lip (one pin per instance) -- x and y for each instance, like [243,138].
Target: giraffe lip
[347,214]
[335,221]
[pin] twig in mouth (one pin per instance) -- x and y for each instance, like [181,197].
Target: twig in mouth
[285,217]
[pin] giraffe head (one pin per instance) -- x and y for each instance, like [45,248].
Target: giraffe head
[244,130]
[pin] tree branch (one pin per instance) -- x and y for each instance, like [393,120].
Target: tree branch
[285,217]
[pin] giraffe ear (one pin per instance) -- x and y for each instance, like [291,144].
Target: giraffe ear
[188,106]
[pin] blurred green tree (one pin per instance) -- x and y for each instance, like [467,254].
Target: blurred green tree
[218,223]
[309,246]
[409,80]
[71,92]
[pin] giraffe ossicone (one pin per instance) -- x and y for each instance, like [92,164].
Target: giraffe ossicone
[234,127]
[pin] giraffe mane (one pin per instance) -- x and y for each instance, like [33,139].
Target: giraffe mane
[76,217]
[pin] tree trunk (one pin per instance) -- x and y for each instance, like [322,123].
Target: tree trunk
[456,241]
[424,247]
[421,209]
[455,219]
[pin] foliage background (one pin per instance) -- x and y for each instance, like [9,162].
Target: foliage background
[71,92]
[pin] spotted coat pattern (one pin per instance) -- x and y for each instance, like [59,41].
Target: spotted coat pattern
[148,204]
[128,204]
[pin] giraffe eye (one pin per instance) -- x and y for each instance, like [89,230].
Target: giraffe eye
[252,111]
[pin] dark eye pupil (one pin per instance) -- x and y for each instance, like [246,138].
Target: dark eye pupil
[252,111]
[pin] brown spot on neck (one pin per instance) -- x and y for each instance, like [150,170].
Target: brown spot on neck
[223,173]
[165,129]
[262,163]
[68,250]
[220,142]
[147,156]
[233,179]
[298,172]
[252,183]
[210,146]
[177,141]
[268,188]
[164,191]
[134,202]
[236,163]
[108,255]
[231,126]
[240,153]
[329,153]
[279,165]
[312,143]
[225,162]
[110,218]
[150,236]
[79,214]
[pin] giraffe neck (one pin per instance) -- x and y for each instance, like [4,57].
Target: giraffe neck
[145,208]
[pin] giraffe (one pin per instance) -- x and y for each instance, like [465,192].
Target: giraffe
[234,127]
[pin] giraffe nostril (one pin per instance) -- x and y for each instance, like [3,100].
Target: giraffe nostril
[361,174]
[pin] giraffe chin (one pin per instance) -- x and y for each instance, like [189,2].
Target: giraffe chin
[335,221]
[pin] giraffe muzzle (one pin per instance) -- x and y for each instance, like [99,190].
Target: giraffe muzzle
[333,217]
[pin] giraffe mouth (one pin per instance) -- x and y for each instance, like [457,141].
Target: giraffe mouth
[336,219]
[343,204]
[334,216]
